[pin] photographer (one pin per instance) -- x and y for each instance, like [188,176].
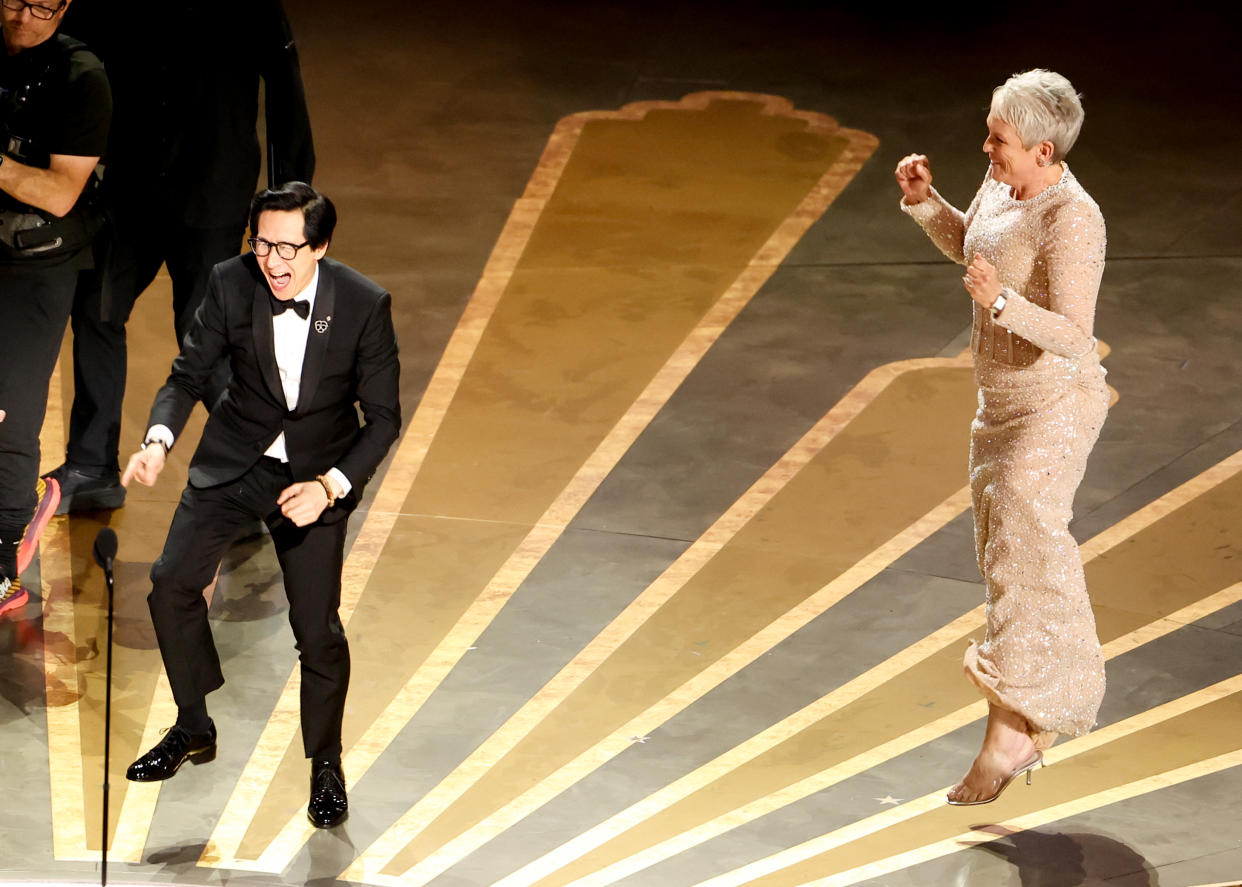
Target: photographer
[55,108]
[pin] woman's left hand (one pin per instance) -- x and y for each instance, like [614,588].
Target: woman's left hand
[981,281]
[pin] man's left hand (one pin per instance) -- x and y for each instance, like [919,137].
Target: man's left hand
[303,502]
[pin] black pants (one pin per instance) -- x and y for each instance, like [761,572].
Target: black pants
[135,253]
[34,307]
[311,558]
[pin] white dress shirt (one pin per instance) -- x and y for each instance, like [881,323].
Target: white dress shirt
[289,332]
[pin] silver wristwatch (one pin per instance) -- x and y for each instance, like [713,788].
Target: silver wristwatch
[998,306]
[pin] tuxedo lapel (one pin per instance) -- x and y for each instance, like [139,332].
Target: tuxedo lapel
[264,340]
[317,337]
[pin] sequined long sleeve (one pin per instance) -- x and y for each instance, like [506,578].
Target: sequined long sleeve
[1073,260]
[944,223]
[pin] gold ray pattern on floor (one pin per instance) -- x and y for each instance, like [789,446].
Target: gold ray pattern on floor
[756,577]
[75,651]
[889,710]
[74,646]
[71,805]
[654,226]
[75,667]
[1188,738]
[622,850]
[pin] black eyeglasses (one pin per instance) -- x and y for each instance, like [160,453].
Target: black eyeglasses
[46,13]
[262,248]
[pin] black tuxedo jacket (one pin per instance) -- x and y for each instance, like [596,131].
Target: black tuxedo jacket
[351,357]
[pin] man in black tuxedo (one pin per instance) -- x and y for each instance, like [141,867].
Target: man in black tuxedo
[283,444]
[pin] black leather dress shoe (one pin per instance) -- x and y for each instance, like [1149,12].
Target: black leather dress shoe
[171,752]
[328,804]
[87,489]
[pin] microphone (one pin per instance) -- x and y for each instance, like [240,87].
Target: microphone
[105,554]
[105,548]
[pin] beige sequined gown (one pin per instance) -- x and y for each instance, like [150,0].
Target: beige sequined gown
[1042,401]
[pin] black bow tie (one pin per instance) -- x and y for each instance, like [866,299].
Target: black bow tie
[280,306]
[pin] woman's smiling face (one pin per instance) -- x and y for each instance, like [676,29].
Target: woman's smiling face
[1011,163]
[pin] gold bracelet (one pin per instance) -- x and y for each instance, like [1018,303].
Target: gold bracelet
[327,488]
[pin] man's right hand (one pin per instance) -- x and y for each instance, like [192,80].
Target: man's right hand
[914,177]
[145,465]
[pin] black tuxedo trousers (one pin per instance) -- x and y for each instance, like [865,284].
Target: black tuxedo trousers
[205,523]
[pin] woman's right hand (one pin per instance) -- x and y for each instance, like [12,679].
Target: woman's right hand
[914,176]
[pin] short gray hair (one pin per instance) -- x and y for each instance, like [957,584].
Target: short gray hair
[1042,106]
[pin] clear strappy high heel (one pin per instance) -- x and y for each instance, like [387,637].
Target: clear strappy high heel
[1036,760]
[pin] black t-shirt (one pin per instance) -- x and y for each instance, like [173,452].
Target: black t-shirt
[55,101]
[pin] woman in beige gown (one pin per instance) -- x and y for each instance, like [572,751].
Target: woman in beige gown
[1033,243]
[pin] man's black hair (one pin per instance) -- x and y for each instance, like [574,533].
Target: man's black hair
[318,213]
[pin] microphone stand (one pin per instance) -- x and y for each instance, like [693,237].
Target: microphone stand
[105,552]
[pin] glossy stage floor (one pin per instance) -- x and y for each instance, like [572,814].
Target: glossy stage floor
[668,580]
